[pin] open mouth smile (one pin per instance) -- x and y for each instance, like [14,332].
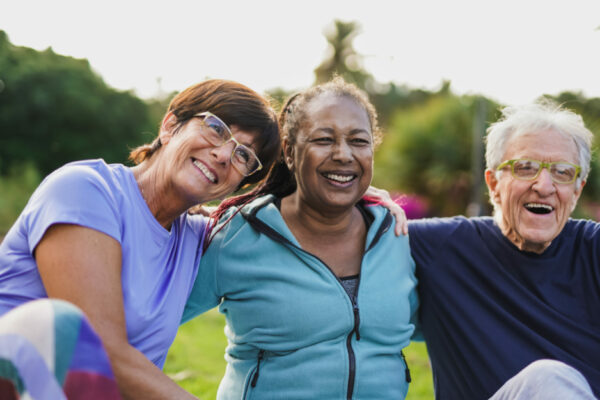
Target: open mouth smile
[539,208]
[339,178]
[205,171]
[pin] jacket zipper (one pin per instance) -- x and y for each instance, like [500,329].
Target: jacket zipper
[407,370]
[276,236]
[261,354]
[351,356]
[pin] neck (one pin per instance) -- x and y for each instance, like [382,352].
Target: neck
[516,239]
[163,203]
[299,214]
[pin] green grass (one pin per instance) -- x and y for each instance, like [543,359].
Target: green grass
[196,361]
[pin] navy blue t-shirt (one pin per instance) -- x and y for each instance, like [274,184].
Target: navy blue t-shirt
[488,310]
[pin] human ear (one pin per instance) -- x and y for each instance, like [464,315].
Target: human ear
[492,183]
[288,154]
[167,127]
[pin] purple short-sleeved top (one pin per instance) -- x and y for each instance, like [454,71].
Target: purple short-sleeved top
[158,268]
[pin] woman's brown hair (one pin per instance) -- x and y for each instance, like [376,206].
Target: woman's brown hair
[233,103]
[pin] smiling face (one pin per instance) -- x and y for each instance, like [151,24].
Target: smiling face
[332,159]
[533,212]
[195,169]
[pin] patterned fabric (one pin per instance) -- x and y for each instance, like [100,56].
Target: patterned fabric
[48,350]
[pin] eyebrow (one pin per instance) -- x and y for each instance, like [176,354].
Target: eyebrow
[249,144]
[352,132]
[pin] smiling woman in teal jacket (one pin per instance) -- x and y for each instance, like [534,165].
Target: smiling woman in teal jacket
[318,293]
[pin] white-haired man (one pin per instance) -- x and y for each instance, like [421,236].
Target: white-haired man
[498,294]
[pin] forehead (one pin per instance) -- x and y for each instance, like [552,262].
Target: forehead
[339,111]
[546,145]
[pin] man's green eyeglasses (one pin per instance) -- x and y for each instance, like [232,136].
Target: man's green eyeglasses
[561,172]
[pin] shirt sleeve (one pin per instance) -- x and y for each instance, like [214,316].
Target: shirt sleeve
[206,294]
[77,195]
[426,236]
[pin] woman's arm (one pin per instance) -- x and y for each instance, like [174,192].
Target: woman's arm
[83,266]
[383,197]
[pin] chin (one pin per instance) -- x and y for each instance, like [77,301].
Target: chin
[536,243]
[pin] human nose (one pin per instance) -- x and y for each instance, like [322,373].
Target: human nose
[342,152]
[544,184]
[223,152]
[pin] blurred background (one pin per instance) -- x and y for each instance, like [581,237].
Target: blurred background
[93,79]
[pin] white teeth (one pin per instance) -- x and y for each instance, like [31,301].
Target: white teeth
[538,208]
[538,205]
[339,178]
[211,177]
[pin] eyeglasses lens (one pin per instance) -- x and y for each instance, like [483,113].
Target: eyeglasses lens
[563,173]
[529,169]
[242,158]
[218,132]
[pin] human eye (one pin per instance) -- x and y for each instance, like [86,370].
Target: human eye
[360,141]
[565,171]
[525,168]
[242,154]
[322,140]
[216,127]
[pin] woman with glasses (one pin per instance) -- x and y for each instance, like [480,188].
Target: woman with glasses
[117,242]
[317,291]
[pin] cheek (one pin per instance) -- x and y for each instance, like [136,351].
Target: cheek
[568,202]
[366,160]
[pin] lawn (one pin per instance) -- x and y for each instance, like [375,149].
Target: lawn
[196,360]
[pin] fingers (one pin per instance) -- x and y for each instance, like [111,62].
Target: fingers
[397,212]
[401,227]
[380,194]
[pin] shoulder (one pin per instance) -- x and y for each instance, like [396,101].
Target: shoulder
[431,233]
[436,226]
[85,174]
[582,229]
[88,193]
[237,218]
[449,223]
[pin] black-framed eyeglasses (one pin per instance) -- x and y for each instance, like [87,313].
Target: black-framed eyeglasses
[243,159]
[525,169]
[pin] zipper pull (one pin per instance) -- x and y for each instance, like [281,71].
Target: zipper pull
[261,353]
[407,371]
[356,321]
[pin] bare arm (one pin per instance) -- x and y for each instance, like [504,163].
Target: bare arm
[83,266]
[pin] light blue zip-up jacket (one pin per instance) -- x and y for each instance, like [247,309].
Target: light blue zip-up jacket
[292,329]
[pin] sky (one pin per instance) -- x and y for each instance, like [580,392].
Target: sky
[512,51]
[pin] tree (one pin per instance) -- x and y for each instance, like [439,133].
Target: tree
[589,109]
[343,59]
[55,109]
[427,151]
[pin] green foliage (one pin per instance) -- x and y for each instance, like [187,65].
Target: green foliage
[589,109]
[15,189]
[196,359]
[427,150]
[55,109]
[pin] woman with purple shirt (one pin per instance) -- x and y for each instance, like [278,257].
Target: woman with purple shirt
[118,243]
